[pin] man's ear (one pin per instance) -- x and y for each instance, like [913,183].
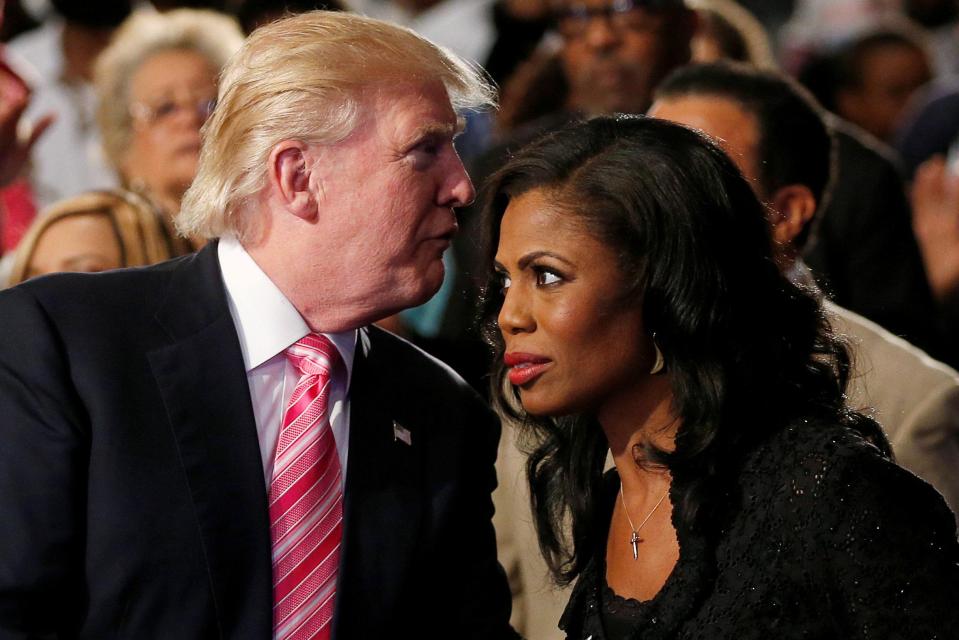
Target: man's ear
[289,173]
[793,208]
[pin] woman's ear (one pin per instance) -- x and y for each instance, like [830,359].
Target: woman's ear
[289,177]
[793,208]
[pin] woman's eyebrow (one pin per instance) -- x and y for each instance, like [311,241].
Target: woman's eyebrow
[535,255]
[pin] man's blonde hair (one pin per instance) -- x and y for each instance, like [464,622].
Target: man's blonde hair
[214,36]
[302,78]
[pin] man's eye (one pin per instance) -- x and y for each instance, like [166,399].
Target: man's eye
[424,155]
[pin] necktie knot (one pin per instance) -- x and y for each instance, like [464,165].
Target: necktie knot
[312,355]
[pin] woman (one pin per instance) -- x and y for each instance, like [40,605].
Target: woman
[157,85]
[640,312]
[95,231]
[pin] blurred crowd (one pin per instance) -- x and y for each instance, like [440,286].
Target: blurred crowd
[102,104]
[110,95]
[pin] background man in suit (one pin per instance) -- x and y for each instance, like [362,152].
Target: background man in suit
[218,447]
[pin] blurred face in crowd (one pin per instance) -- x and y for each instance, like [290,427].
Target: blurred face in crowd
[84,242]
[171,96]
[615,52]
[890,75]
[572,343]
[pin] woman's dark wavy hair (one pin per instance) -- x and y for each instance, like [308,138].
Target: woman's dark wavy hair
[747,352]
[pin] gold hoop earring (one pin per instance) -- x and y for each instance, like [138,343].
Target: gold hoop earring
[660,364]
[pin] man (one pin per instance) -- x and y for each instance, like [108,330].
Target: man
[219,446]
[776,135]
[615,53]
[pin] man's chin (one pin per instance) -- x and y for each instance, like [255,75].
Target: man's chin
[605,102]
[428,283]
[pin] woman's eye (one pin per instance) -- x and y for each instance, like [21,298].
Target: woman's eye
[546,277]
[504,283]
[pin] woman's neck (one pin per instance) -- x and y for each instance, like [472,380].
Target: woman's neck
[648,418]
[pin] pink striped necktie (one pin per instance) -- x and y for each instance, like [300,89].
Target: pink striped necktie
[306,500]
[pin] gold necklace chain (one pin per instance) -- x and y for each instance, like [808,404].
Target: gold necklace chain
[634,538]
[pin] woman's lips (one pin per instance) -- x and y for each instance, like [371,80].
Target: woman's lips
[525,367]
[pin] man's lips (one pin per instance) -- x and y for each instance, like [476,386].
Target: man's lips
[525,367]
[446,235]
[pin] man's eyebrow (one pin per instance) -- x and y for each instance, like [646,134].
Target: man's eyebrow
[436,129]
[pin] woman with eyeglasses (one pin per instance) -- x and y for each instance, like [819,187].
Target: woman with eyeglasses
[637,310]
[157,85]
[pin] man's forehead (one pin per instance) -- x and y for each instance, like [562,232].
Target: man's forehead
[427,95]
[735,127]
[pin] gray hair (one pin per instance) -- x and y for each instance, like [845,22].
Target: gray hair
[214,36]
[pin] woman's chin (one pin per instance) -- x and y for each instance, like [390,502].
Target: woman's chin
[541,407]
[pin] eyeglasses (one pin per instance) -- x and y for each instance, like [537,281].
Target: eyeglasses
[623,16]
[166,109]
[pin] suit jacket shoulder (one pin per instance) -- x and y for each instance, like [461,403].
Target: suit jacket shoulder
[131,483]
[915,398]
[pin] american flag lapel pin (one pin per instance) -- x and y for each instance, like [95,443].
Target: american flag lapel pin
[401,433]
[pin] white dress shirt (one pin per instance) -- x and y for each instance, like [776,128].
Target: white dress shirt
[267,323]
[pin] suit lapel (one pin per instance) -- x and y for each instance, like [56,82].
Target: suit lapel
[383,507]
[202,380]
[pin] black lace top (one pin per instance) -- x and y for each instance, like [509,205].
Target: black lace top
[824,539]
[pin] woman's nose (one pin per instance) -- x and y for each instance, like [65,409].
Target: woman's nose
[514,316]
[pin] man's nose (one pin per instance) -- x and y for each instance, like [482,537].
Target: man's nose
[458,190]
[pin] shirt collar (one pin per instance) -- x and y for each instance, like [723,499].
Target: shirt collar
[266,321]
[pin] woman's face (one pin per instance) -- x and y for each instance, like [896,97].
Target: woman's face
[83,242]
[171,95]
[573,343]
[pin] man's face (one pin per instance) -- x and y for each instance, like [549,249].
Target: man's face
[615,52]
[736,130]
[386,196]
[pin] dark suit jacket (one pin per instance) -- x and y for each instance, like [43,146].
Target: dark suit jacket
[866,257]
[131,488]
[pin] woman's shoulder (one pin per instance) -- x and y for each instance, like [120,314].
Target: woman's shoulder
[848,528]
[814,471]
[810,451]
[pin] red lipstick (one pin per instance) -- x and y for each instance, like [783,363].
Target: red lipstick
[525,367]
